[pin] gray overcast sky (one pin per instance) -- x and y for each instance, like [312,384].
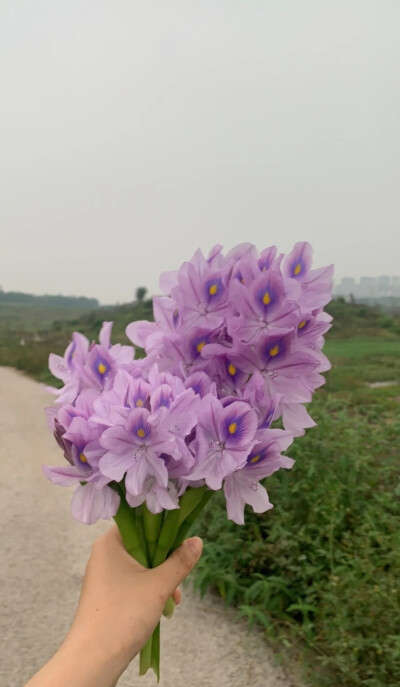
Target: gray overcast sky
[133,132]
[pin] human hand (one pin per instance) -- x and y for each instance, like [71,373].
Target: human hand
[121,601]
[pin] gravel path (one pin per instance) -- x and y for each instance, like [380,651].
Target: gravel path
[43,556]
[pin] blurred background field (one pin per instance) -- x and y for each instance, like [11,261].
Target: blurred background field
[320,573]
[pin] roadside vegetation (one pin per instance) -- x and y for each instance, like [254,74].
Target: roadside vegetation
[320,573]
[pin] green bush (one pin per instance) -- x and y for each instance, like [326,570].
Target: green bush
[323,567]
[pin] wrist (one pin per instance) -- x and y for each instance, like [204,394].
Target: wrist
[92,659]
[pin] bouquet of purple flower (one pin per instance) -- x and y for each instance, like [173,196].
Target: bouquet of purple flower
[235,346]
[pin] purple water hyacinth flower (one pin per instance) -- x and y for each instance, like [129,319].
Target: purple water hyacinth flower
[99,368]
[243,486]
[286,371]
[58,432]
[236,345]
[295,418]
[149,335]
[94,499]
[298,263]
[201,384]
[122,355]
[182,353]
[316,289]
[68,368]
[168,281]
[311,327]
[244,272]
[103,360]
[262,307]
[85,366]
[161,398]
[215,256]
[90,503]
[157,498]
[224,437]
[83,407]
[156,377]
[267,259]
[314,285]
[112,407]
[201,300]
[135,450]
[242,251]
[177,416]
[257,395]
[228,375]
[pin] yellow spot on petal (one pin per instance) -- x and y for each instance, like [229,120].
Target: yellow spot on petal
[101,368]
[232,369]
[82,458]
[255,459]
[212,290]
[141,432]
[241,280]
[274,351]
[302,324]
[139,403]
[200,346]
[232,428]
[266,298]
[297,269]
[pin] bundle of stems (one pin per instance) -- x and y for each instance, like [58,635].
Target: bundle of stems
[150,538]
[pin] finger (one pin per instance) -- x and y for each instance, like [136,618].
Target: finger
[174,570]
[177,596]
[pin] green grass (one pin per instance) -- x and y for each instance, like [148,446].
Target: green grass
[321,571]
[33,357]
[362,346]
[362,360]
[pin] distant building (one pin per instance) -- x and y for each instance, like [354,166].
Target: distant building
[346,286]
[383,286]
[395,287]
[368,287]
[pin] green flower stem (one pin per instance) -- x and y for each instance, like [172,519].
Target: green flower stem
[151,527]
[145,658]
[169,608]
[173,522]
[155,652]
[191,519]
[150,539]
[126,524]
[139,518]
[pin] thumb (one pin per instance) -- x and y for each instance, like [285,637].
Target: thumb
[174,570]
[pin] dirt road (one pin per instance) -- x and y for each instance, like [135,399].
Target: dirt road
[43,556]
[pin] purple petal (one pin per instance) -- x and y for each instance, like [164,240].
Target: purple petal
[64,476]
[237,425]
[114,466]
[295,418]
[297,264]
[89,504]
[105,334]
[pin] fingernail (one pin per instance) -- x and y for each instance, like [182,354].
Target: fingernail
[196,544]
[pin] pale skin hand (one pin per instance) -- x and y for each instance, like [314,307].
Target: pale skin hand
[120,605]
